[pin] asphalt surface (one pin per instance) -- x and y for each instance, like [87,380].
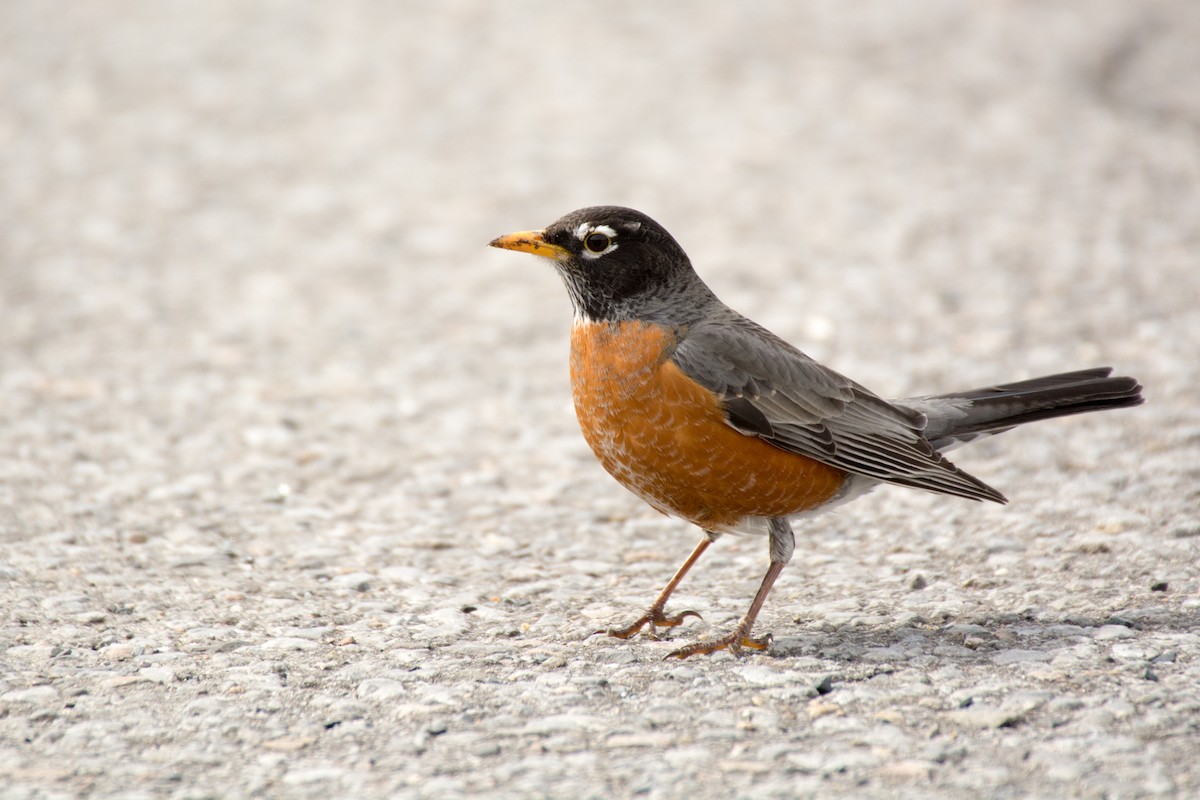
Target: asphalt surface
[292,500]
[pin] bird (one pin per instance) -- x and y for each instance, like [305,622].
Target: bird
[711,418]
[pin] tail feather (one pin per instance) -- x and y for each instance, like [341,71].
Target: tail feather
[959,417]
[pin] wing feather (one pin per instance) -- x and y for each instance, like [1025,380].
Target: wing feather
[775,392]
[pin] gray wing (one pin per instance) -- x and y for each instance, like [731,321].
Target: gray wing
[771,390]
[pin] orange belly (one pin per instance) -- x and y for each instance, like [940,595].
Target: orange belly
[665,438]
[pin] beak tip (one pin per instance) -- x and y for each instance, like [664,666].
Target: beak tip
[528,242]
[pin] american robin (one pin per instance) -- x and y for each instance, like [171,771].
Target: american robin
[710,417]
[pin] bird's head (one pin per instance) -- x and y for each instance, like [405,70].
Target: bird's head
[617,264]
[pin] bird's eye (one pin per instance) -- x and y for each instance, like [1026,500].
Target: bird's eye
[597,242]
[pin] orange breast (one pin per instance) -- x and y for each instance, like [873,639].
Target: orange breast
[665,438]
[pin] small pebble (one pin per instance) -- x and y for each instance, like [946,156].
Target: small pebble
[118,652]
[817,709]
[486,749]
[1110,632]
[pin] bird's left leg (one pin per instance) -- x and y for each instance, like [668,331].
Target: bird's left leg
[783,543]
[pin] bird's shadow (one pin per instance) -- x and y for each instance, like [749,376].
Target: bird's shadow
[996,638]
[977,639]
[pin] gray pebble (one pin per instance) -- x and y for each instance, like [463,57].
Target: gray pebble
[1110,632]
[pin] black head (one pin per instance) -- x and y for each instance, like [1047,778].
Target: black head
[617,264]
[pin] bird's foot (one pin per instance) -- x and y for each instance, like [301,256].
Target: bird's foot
[656,618]
[735,643]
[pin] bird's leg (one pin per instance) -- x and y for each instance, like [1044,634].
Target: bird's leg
[783,542]
[655,615]
[739,638]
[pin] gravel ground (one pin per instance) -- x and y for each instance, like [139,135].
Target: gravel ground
[292,501]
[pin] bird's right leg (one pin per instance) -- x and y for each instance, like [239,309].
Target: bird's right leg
[655,616]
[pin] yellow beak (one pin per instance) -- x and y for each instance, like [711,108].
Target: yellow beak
[530,242]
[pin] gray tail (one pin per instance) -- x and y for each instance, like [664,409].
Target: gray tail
[964,416]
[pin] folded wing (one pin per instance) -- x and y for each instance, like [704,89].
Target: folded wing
[771,390]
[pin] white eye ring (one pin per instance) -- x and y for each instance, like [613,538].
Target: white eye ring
[587,230]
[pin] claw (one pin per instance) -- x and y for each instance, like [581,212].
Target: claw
[655,618]
[734,643]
